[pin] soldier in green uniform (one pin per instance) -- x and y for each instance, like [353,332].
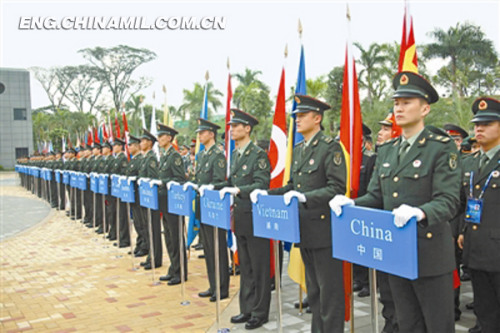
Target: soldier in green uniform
[59,165]
[71,165]
[211,169]
[171,170]
[149,169]
[52,183]
[118,167]
[132,173]
[318,173]
[109,200]
[100,167]
[87,194]
[418,175]
[250,169]
[457,133]
[481,203]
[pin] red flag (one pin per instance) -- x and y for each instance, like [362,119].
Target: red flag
[105,132]
[89,137]
[126,134]
[351,137]
[408,60]
[117,128]
[278,144]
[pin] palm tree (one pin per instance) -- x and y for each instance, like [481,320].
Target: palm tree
[372,61]
[193,101]
[316,87]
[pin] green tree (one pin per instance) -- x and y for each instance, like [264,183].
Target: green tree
[193,102]
[316,87]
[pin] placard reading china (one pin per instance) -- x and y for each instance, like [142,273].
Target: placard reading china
[368,237]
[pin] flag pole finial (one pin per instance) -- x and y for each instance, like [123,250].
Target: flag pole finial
[154,95]
[141,99]
[207,76]
[300,29]
[164,89]
[286,50]
[348,12]
[228,64]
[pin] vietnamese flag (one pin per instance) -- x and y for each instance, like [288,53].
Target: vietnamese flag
[408,51]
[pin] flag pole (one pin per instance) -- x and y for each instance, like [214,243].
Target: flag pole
[228,167]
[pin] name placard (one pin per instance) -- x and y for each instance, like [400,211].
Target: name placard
[180,202]
[115,186]
[368,237]
[94,183]
[58,176]
[274,220]
[48,174]
[103,183]
[214,211]
[82,181]
[148,195]
[73,179]
[127,190]
[65,177]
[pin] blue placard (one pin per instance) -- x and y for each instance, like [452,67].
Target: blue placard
[65,177]
[36,172]
[48,175]
[274,220]
[127,190]
[115,186]
[214,211]
[148,195]
[58,176]
[180,202]
[368,237]
[103,183]
[82,181]
[73,180]
[94,183]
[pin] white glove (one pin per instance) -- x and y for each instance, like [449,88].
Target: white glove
[204,188]
[131,179]
[142,180]
[287,197]
[254,196]
[230,190]
[155,182]
[404,213]
[187,184]
[170,183]
[338,202]
[87,175]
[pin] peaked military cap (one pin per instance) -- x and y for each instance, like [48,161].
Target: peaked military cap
[164,129]
[96,145]
[241,117]
[388,121]
[193,143]
[366,130]
[454,130]
[51,153]
[133,139]
[88,147]
[307,103]
[486,109]
[118,142]
[205,125]
[147,135]
[70,150]
[409,84]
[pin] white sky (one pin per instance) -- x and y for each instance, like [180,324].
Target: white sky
[255,36]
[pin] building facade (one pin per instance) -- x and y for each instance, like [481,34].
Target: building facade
[16,127]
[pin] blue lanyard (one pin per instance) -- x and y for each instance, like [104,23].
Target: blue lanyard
[484,187]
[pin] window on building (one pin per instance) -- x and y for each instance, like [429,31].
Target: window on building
[20,114]
[21,152]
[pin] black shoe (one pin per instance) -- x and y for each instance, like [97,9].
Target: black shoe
[255,322]
[364,292]
[148,267]
[122,245]
[213,298]
[67,213]
[475,329]
[457,316]
[356,286]
[141,253]
[241,318]
[305,303]
[167,277]
[206,293]
[201,256]
[174,281]
[308,310]
[469,306]
[144,263]
[99,231]
[89,225]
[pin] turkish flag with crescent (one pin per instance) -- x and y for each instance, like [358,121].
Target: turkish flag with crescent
[277,146]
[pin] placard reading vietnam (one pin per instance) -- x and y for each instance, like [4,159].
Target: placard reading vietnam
[214,211]
[127,190]
[274,220]
[180,202]
[368,237]
[103,184]
[148,195]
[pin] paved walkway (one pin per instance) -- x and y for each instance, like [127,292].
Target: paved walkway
[58,276]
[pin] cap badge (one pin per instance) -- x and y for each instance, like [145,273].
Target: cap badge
[404,80]
[483,105]
[297,99]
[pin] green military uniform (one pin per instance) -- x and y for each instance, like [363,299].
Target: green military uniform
[171,169]
[99,167]
[149,169]
[482,240]
[319,173]
[210,169]
[87,195]
[59,165]
[427,177]
[139,225]
[250,170]
[109,201]
[118,167]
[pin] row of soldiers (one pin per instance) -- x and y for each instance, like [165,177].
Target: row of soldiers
[419,174]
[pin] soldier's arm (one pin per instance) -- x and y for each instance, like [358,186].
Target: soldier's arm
[373,196]
[445,186]
[261,176]
[152,167]
[336,174]
[178,169]
[219,168]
